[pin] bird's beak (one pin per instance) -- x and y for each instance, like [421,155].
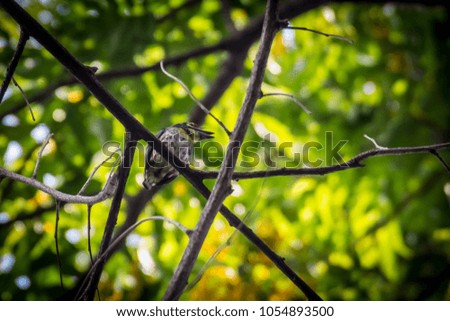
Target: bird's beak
[204,134]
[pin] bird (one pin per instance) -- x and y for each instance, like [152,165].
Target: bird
[180,139]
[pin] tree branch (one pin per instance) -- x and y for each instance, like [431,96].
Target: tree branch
[222,187]
[106,193]
[14,62]
[198,102]
[321,33]
[121,238]
[439,157]
[292,97]
[88,181]
[55,236]
[24,98]
[354,162]
[88,293]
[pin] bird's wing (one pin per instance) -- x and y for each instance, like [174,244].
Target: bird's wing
[150,147]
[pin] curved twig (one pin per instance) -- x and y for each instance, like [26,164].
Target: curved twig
[198,102]
[292,97]
[106,193]
[88,181]
[119,239]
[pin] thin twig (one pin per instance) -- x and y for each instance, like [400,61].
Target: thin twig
[292,97]
[321,33]
[89,208]
[443,162]
[89,232]
[177,224]
[88,181]
[25,98]
[135,205]
[374,142]
[120,238]
[10,70]
[41,151]
[58,255]
[198,102]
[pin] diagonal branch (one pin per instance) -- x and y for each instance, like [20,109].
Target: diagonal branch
[121,238]
[14,62]
[292,97]
[124,170]
[222,187]
[230,69]
[24,98]
[439,157]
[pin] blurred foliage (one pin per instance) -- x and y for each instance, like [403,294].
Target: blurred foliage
[381,232]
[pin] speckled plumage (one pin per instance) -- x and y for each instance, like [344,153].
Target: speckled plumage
[180,140]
